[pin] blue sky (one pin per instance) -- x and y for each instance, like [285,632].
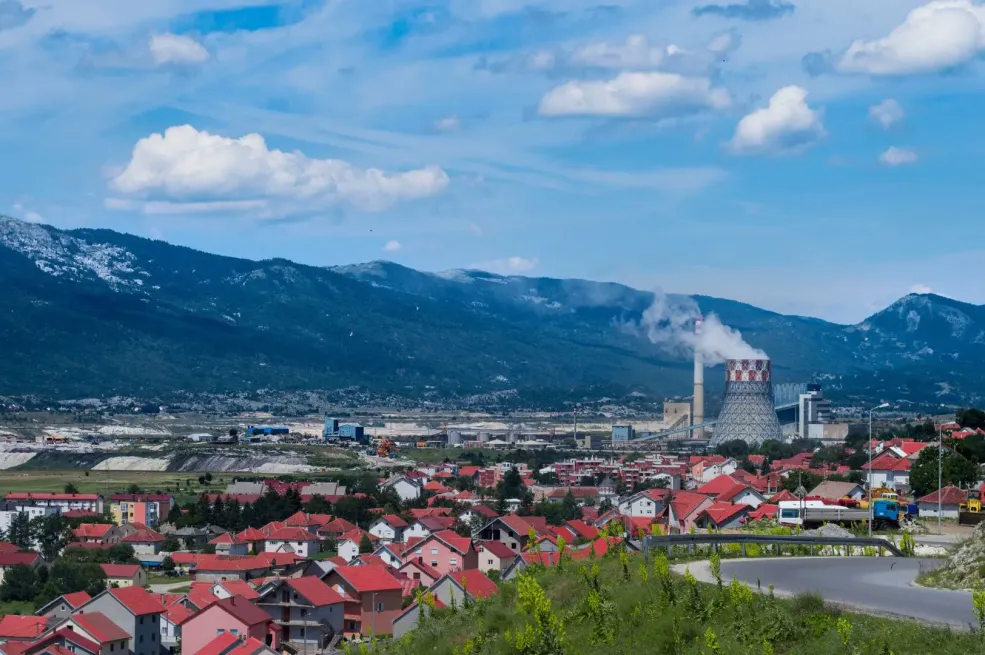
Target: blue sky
[812,156]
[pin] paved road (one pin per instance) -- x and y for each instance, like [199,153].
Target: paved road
[881,585]
[168,587]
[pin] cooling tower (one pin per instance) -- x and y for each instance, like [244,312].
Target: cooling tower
[748,413]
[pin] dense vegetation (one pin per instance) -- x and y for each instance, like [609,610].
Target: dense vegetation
[619,604]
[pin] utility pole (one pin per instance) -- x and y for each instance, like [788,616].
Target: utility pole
[940,471]
[871,499]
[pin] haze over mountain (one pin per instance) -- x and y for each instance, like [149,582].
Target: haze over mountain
[96,313]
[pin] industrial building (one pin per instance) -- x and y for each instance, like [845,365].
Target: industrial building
[748,413]
[623,433]
[333,430]
[813,412]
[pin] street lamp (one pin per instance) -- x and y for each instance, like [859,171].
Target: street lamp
[871,500]
[940,467]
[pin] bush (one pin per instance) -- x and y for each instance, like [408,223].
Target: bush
[809,602]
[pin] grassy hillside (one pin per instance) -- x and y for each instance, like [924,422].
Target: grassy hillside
[619,605]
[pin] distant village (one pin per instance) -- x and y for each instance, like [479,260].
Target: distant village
[269,566]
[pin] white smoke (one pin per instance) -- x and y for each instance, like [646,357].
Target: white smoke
[669,323]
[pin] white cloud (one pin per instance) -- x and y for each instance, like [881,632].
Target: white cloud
[392,246]
[788,125]
[921,288]
[655,94]
[898,156]
[508,265]
[448,124]
[475,229]
[933,37]
[33,217]
[636,52]
[177,49]
[887,113]
[159,207]
[186,164]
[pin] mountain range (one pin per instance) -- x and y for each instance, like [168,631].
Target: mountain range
[95,313]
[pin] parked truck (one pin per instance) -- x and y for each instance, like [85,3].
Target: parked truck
[813,513]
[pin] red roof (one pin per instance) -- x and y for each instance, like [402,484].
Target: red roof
[178,613]
[497,548]
[202,599]
[685,502]
[120,570]
[18,559]
[143,536]
[251,534]
[100,627]
[581,529]
[242,610]
[184,558]
[950,495]
[239,588]
[468,471]
[137,600]
[723,512]
[912,447]
[92,530]
[220,645]
[717,485]
[338,526]
[764,511]
[298,520]
[780,496]
[76,599]
[732,492]
[368,578]
[371,560]
[316,591]
[430,511]
[475,582]
[228,538]
[22,627]
[292,534]
[435,486]
[7,547]
[50,496]
[50,641]
[459,543]
[426,569]
[394,521]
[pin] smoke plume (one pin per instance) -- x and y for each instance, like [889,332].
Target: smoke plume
[669,323]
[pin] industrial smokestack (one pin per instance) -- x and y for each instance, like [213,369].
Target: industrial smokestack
[698,409]
[748,413]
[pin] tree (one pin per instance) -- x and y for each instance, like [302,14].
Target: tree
[365,545]
[134,489]
[19,533]
[171,544]
[955,469]
[167,564]
[51,534]
[318,505]
[208,549]
[970,418]
[121,554]
[71,488]
[49,592]
[736,448]
[19,583]
[74,576]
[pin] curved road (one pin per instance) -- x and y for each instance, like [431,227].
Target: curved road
[880,585]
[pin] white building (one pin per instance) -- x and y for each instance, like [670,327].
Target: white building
[646,504]
[388,528]
[63,502]
[11,510]
[405,488]
[292,540]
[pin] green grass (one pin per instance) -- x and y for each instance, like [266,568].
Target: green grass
[21,607]
[663,614]
[181,590]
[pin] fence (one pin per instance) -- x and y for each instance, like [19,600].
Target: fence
[715,540]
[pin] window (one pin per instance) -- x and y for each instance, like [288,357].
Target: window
[453,561]
[434,551]
[379,607]
[112,647]
[417,575]
[219,632]
[234,632]
[141,638]
[153,636]
[490,562]
[434,563]
[141,620]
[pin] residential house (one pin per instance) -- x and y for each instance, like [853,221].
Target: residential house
[236,616]
[722,515]
[373,598]
[577,531]
[63,606]
[254,540]
[335,529]
[547,559]
[99,629]
[61,642]
[15,628]
[445,551]
[145,541]
[231,544]
[388,528]
[833,490]
[419,572]
[726,489]
[391,554]
[349,543]
[8,560]
[306,611]
[125,575]
[949,499]
[494,556]
[309,522]
[513,530]
[645,504]
[708,467]
[293,540]
[9,510]
[176,614]
[449,591]
[100,533]
[230,588]
[146,509]
[405,487]
[218,568]
[684,509]
[428,525]
[889,471]
[64,502]
[480,514]
[135,611]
